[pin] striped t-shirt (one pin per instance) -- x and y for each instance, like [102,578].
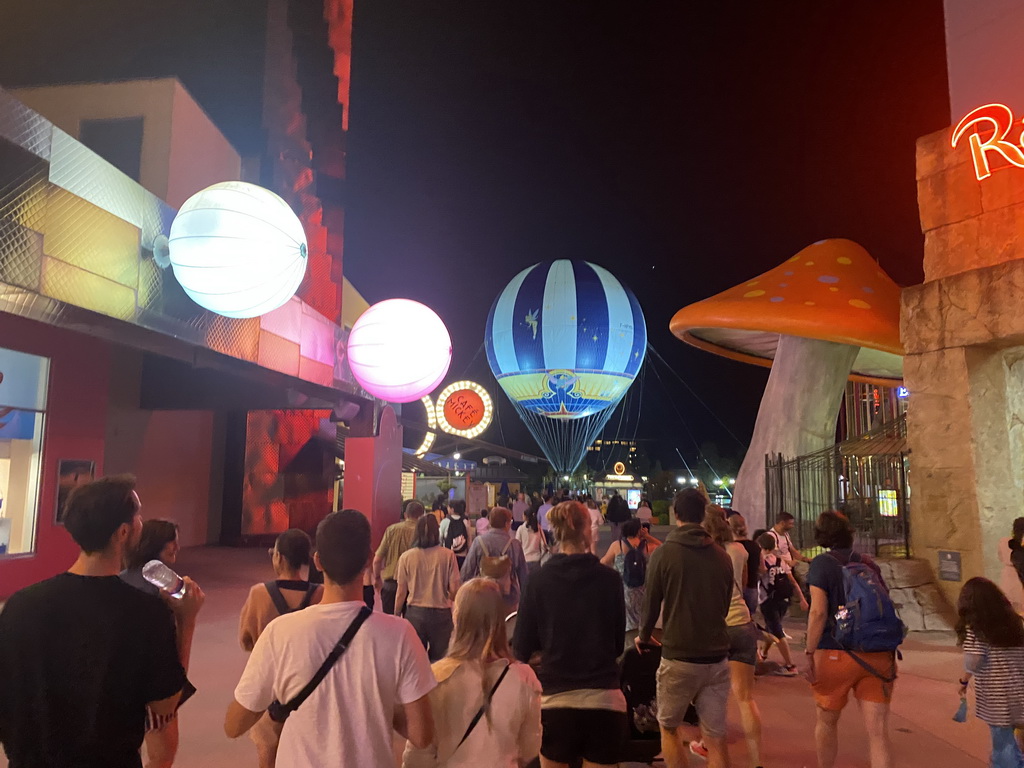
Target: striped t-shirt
[998,681]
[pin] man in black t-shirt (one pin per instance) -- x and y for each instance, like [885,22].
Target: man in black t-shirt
[83,654]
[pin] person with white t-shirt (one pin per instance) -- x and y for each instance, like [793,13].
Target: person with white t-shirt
[786,549]
[377,685]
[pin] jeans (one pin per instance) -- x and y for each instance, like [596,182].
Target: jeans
[434,627]
[388,593]
[1005,751]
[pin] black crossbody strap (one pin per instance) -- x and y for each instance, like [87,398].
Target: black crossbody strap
[277,598]
[483,707]
[310,591]
[279,712]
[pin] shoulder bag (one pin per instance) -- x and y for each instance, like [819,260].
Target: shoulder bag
[280,712]
[483,709]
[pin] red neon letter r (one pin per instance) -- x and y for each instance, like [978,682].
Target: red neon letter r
[1000,118]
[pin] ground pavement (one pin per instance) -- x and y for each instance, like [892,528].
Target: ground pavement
[925,699]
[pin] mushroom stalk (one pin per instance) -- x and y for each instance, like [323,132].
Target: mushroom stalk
[797,415]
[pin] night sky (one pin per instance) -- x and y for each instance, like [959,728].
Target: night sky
[683,146]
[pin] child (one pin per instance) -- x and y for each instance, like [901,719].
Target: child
[992,636]
[778,585]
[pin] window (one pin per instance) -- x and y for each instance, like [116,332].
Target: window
[23,383]
[117,140]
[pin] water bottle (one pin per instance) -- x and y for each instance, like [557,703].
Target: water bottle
[160,575]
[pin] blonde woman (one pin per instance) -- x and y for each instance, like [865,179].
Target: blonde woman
[573,614]
[486,706]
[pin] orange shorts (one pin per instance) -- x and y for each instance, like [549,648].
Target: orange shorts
[837,673]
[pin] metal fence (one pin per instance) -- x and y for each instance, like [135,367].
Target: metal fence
[865,478]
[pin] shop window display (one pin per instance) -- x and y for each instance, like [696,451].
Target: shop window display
[23,384]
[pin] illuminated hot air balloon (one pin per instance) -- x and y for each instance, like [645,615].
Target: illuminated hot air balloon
[565,340]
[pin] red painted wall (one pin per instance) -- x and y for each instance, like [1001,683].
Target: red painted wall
[373,475]
[75,428]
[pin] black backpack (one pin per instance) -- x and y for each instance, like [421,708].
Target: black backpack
[455,537]
[634,566]
[281,604]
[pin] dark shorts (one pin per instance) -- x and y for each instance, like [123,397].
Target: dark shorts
[774,611]
[743,643]
[596,735]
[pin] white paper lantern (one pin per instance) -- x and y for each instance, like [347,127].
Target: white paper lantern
[237,249]
[399,350]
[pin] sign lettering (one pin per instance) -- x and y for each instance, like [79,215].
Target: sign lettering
[993,136]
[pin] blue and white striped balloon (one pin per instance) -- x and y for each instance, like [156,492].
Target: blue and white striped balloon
[565,339]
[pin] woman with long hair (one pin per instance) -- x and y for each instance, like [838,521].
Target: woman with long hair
[535,543]
[743,636]
[755,565]
[158,541]
[992,635]
[428,575]
[1012,558]
[596,520]
[635,537]
[573,615]
[479,673]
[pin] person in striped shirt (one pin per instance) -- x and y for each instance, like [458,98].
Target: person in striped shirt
[992,636]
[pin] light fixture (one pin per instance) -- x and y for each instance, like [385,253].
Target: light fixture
[237,249]
[456,455]
[718,481]
[732,481]
[565,477]
[694,481]
[399,350]
[681,480]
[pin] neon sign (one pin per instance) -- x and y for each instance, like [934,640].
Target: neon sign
[1000,120]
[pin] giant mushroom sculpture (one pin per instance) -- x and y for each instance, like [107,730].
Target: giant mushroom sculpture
[826,315]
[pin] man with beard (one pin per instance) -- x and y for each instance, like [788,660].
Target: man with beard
[83,655]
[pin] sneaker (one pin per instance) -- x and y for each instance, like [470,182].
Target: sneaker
[698,748]
[790,671]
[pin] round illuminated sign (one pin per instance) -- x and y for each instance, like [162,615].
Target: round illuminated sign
[620,468]
[430,436]
[237,249]
[464,408]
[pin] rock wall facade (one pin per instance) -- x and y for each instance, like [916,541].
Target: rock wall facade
[963,332]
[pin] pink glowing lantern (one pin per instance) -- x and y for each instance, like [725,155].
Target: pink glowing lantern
[399,350]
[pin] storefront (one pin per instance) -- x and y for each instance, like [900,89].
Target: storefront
[107,366]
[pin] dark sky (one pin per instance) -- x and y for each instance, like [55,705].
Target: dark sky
[684,146]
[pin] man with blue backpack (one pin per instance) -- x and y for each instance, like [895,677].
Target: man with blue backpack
[853,634]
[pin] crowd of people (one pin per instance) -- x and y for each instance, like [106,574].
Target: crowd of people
[499,640]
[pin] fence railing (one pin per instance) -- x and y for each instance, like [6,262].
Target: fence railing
[865,478]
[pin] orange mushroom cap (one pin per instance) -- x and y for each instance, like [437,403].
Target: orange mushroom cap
[832,291]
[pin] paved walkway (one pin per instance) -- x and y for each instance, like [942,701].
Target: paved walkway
[923,732]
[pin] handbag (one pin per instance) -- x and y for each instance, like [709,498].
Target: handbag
[280,712]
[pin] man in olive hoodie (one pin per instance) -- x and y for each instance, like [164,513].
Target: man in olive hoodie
[690,577]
